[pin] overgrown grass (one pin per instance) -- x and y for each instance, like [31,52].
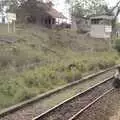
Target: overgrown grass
[58,57]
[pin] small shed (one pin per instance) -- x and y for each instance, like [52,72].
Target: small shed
[52,18]
[101,26]
[39,13]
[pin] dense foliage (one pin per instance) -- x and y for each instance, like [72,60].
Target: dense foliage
[117,45]
[86,8]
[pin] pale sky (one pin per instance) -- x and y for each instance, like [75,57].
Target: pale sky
[59,5]
[111,2]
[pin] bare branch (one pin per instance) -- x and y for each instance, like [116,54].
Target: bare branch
[115,6]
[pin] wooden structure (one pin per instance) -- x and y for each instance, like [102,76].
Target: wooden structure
[52,18]
[39,13]
[101,26]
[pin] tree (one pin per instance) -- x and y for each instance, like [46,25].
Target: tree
[86,7]
[10,4]
[117,45]
[115,10]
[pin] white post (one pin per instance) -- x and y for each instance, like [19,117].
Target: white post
[14,29]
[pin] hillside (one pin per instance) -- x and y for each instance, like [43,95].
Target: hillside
[34,60]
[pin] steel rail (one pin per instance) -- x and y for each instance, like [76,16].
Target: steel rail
[21,105]
[89,105]
[41,116]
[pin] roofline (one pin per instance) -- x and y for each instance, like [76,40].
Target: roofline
[108,17]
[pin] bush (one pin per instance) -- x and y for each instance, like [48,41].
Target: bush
[5,60]
[23,94]
[117,45]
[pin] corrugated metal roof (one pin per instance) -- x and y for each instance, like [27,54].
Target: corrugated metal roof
[102,16]
[54,13]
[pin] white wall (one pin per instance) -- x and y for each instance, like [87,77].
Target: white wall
[98,31]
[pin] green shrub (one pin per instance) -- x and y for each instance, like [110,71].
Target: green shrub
[23,94]
[16,51]
[5,60]
[117,45]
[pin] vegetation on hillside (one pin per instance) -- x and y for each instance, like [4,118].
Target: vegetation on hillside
[42,59]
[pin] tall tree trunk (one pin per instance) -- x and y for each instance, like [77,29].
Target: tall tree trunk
[113,35]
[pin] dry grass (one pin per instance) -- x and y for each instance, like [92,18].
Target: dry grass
[51,53]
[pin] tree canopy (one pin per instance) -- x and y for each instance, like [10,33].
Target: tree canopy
[86,7]
[11,4]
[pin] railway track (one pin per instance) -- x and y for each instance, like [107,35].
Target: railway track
[78,115]
[67,109]
[35,106]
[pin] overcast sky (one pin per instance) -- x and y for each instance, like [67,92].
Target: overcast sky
[59,5]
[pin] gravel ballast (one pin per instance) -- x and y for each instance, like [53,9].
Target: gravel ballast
[104,109]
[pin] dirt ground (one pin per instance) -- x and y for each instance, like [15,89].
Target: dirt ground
[106,109]
[116,116]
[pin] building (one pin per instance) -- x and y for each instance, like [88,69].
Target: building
[39,13]
[52,18]
[81,23]
[101,26]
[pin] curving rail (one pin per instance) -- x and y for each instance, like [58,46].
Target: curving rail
[69,107]
[23,109]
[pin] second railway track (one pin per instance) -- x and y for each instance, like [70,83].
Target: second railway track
[79,114]
[31,108]
[68,108]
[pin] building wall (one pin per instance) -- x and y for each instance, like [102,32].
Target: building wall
[98,31]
